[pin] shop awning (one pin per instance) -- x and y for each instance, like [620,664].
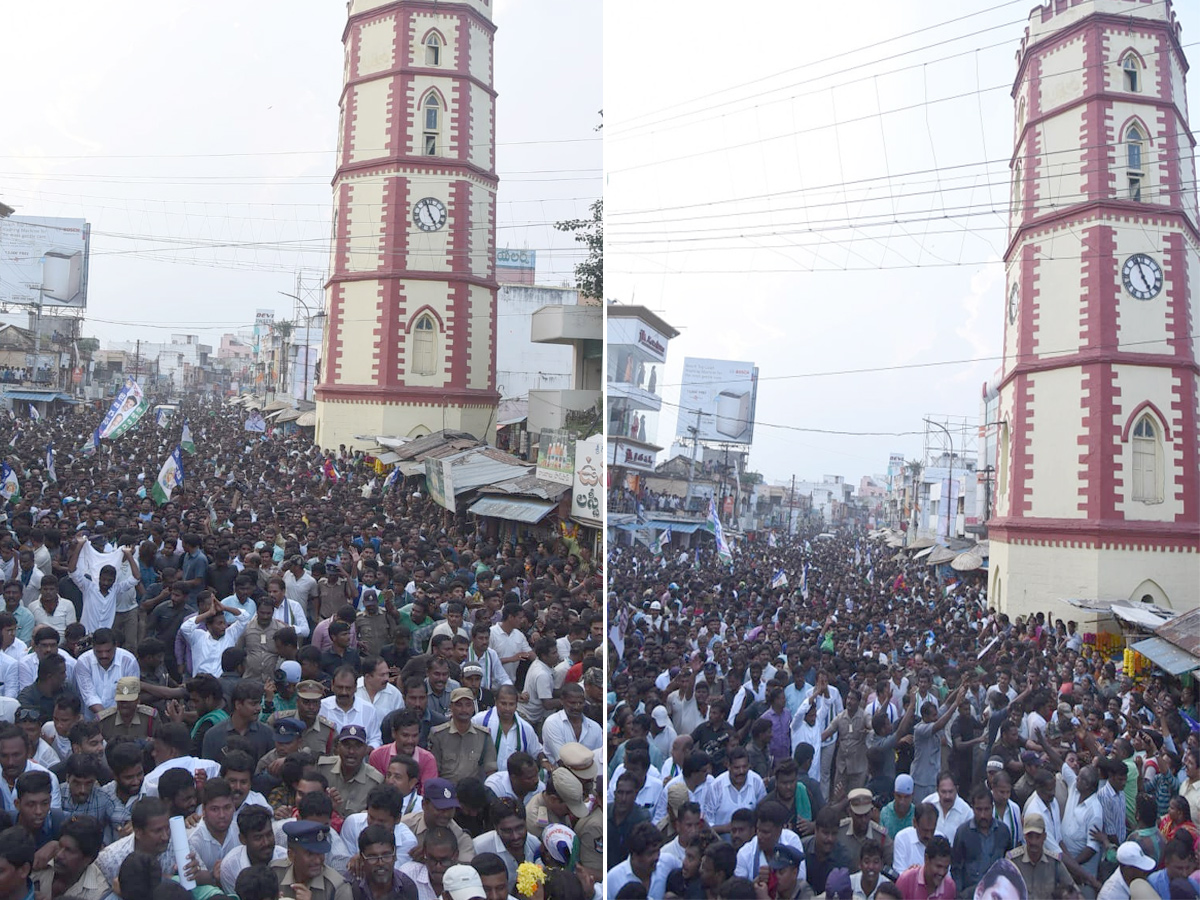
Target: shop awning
[658,525]
[514,509]
[36,396]
[1171,659]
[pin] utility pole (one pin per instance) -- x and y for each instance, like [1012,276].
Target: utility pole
[950,479]
[137,360]
[695,432]
[37,336]
[791,505]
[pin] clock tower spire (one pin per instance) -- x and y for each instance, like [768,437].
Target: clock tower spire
[1098,472]
[411,300]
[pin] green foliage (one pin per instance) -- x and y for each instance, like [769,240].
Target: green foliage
[589,274]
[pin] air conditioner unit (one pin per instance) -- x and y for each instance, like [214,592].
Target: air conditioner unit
[733,413]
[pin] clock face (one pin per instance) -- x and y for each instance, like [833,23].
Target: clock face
[429,214]
[1142,276]
[1012,305]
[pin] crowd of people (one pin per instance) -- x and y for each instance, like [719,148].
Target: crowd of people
[826,717]
[286,680]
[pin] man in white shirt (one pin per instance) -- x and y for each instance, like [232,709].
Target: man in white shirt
[375,688]
[569,724]
[480,653]
[30,577]
[952,809]
[510,733]
[100,593]
[539,684]
[737,788]
[299,585]
[98,670]
[909,847]
[209,635]
[46,641]
[772,819]
[346,708]
[1082,816]
[256,846]
[50,609]
[518,779]
[15,762]
[508,640]
[171,750]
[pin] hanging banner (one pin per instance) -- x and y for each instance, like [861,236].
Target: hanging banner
[126,410]
[439,482]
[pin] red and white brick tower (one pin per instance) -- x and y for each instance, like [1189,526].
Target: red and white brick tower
[411,301]
[1098,493]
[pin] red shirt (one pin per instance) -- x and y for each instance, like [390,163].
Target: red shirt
[425,762]
[912,886]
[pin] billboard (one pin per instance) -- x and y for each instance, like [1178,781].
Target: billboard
[556,456]
[588,479]
[44,260]
[718,397]
[439,482]
[516,259]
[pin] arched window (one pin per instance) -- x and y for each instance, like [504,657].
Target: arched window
[433,50]
[433,124]
[1147,462]
[1133,73]
[424,346]
[1133,147]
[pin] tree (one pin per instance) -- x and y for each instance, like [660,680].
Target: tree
[589,274]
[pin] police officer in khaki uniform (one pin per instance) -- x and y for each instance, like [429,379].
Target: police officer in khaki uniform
[128,719]
[320,734]
[350,778]
[462,749]
[307,848]
[858,828]
[1043,871]
[560,802]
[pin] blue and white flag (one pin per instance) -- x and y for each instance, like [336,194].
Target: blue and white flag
[771,541]
[661,541]
[779,579]
[392,477]
[169,478]
[160,418]
[185,438]
[33,413]
[714,525]
[871,575]
[50,473]
[804,582]
[10,485]
[93,444]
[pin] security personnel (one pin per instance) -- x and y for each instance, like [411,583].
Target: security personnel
[1042,870]
[560,802]
[350,778]
[287,733]
[858,828]
[128,719]
[461,748]
[307,847]
[581,763]
[320,734]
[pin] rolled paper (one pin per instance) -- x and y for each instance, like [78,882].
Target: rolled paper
[179,843]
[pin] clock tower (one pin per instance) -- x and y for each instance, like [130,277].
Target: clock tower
[1098,474]
[409,344]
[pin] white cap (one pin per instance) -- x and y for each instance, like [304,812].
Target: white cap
[463,883]
[660,716]
[656,605]
[1130,854]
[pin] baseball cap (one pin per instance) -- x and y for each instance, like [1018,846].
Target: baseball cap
[785,857]
[128,688]
[441,793]
[310,690]
[1034,822]
[837,884]
[660,716]
[310,836]
[461,693]
[1130,854]
[468,671]
[558,841]
[288,671]
[353,733]
[904,784]
[287,730]
[995,764]
[1030,758]
[860,800]
[569,790]
[463,883]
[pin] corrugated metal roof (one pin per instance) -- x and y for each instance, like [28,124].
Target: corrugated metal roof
[1143,618]
[36,396]
[476,468]
[514,509]
[1183,631]
[530,484]
[1165,655]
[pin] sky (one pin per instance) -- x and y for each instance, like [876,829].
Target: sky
[198,140]
[825,197]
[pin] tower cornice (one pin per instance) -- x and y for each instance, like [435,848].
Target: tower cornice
[1098,210]
[418,165]
[430,6]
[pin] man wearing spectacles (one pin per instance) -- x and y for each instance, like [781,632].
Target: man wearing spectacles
[381,880]
[437,852]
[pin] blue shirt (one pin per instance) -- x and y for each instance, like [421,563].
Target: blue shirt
[195,565]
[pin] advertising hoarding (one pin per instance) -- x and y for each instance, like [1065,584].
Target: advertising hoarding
[722,394]
[516,259]
[556,456]
[588,478]
[439,482]
[44,260]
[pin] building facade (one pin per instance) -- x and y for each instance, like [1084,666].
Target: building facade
[409,346]
[1098,478]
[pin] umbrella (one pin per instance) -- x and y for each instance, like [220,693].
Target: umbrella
[307,420]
